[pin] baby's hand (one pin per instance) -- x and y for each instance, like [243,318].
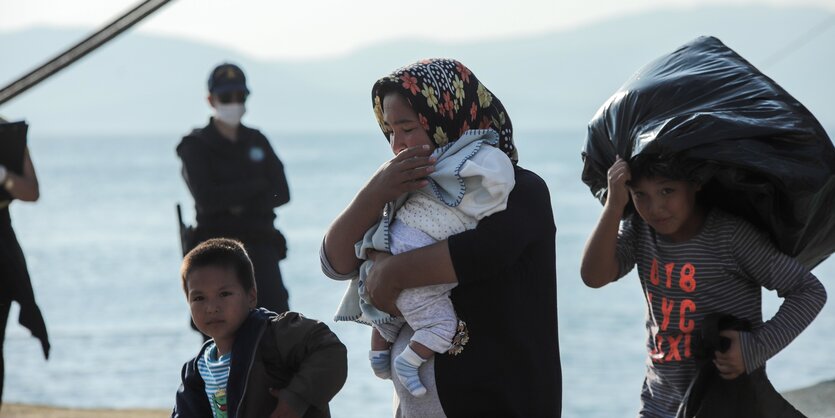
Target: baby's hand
[282,410]
[729,363]
[618,175]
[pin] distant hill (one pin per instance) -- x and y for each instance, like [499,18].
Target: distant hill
[140,84]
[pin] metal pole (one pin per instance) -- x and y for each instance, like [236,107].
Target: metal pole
[79,50]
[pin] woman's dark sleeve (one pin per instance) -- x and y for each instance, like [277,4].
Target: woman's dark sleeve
[502,239]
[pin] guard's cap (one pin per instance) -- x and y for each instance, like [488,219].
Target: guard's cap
[226,78]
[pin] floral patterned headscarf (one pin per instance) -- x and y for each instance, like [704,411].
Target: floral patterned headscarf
[449,101]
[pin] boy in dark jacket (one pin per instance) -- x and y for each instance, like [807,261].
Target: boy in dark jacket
[257,363]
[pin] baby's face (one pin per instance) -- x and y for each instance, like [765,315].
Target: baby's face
[407,131]
[219,303]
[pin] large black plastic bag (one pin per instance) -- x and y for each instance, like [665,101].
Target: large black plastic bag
[771,161]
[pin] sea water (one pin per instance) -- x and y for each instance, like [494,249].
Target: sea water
[103,251]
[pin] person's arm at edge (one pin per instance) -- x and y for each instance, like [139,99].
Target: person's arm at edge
[23,186]
[599,265]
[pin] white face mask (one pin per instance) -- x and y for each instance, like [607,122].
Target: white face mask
[230,113]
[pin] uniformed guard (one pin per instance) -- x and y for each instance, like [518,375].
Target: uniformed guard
[236,181]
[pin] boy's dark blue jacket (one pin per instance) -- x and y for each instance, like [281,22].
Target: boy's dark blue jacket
[300,357]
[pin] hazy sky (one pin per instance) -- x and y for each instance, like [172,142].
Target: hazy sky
[285,29]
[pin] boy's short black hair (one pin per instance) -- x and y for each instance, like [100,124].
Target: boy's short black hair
[220,252]
[671,167]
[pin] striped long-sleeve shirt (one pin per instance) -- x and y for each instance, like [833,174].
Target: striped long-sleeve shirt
[215,373]
[720,270]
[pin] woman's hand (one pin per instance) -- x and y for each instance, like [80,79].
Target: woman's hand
[404,173]
[618,175]
[729,363]
[383,293]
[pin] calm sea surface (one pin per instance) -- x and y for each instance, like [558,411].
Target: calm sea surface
[103,251]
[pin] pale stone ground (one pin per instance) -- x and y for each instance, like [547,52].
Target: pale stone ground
[34,411]
[817,401]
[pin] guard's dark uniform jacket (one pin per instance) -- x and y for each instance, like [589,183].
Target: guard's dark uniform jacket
[236,185]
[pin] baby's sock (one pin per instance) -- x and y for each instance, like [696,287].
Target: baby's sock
[381,363]
[406,365]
